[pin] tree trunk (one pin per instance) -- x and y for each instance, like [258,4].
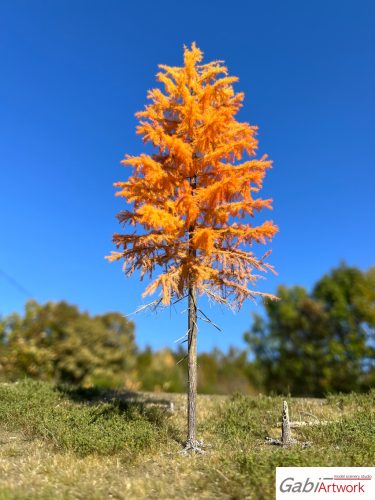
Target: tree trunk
[192,346]
[192,367]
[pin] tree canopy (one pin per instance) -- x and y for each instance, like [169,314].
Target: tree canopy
[190,197]
[56,341]
[319,342]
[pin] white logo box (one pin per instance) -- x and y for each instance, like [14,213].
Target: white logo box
[303,483]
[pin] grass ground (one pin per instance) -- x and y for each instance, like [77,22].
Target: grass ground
[63,443]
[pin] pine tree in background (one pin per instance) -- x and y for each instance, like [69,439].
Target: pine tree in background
[190,196]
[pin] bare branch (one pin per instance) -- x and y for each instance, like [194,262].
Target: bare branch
[181,360]
[151,305]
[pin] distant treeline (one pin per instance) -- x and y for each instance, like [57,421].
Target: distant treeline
[305,344]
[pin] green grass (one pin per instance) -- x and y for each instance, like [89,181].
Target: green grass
[61,442]
[43,411]
[348,441]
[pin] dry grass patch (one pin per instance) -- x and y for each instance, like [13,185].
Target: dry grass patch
[60,442]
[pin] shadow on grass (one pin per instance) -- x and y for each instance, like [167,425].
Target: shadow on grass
[97,395]
[127,403]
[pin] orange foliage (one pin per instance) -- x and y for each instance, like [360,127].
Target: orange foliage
[187,194]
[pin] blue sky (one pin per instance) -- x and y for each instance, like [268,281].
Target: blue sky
[74,73]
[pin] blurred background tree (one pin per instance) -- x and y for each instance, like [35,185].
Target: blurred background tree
[160,370]
[220,373]
[308,344]
[311,344]
[56,341]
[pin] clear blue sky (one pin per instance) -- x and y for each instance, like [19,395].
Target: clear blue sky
[74,72]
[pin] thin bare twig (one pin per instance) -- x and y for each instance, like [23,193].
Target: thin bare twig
[208,320]
[152,305]
[179,300]
[181,360]
[309,415]
[177,340]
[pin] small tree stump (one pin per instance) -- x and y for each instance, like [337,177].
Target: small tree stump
[286,434]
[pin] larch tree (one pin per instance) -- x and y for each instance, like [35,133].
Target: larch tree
[190,201]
